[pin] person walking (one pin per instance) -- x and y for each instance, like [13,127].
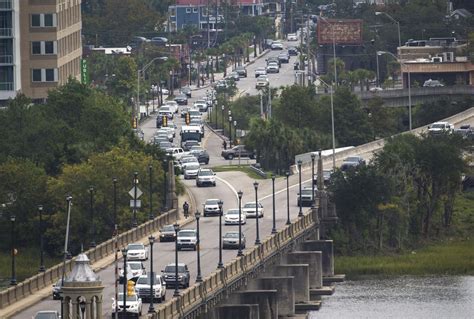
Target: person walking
[224,144]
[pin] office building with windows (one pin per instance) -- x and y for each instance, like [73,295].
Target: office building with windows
[40,46]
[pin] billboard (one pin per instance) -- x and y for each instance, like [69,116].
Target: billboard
[345,31]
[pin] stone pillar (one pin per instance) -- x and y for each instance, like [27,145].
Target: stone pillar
[314,260]
[265,299]
[300,273]
[99,307]
[327,249]
[244,311]
[285,292]
[75,309]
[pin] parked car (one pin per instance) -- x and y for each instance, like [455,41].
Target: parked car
[137,251]
[169,274]
[167,233]
[142,288]
[190,171]
[233,76]
[187,238]
[260,71]
[186,90]
[181,99]
[306,197]
[231,217]
[276,45]
[351,162]
[57,291]
[133,304]
[231,240]
[205,177]
[250,209]
[237,151]
[241,71]
[47,314]
[211,207]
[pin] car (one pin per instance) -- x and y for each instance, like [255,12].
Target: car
[173,105]
[184,111]
[440,127]
[241,71]
[201,105]
[187,238]
[188,160]
[135,269]
[284,57]
[159,139]
[292,51]
[142,288]
[138,41]
[231,240]
[47,314]
[57,291]
[233,76]
[190,171]
[306,197]
[376,89]
[169,274]
[133,304]
[181,99]
[211,207]
[432,83]
[296,65]
[165,110]
[250,209]
[204,177]
[166,146]
[292,37]
[326,177]
[276,45]
[167,233]
[167,132]
[466,131]
[137,251]
[194,114]
[187,145]
[163,91]
[231,217]
[186,90]
[274,60]
[260,71]
[159,41]
[351,162]
[262,82]
[272,68]
[178,153]
[237,151]
[201,154]
[221,84]
[267,43]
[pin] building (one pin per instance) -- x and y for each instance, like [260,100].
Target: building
[40,46]
[442,59]
[201,13]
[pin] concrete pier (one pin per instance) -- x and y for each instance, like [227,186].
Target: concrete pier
[326,247]
[285,287]
[265,299]
[300,273]
[243,311]
[314,260]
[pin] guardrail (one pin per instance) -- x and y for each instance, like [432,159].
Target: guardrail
[51,275]
[422,91]
[195,297]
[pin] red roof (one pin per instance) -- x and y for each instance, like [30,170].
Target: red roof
[211,2]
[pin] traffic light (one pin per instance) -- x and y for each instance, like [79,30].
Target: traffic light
[188,118]
[165,121]
[134,123]
[130,288]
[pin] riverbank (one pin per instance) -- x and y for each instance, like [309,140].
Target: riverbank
[453,257]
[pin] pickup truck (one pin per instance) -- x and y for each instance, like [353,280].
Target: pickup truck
[440,127]
[178,153]
[142,288]
[237,151]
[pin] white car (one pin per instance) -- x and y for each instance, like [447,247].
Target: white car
[262,81]
[188,160]
[211,207]
[187,238]
[250,210]
[260,71]
[134,269]
[191,170]
[178,153]
[173,105]
[440,127]
[204,177]
[142,288]
[277,45]
[134,304]
[201,105]
[165,111]
[231,217]
[164,91]
[292,37]
[137,251]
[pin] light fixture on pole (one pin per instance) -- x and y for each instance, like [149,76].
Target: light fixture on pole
[13,250]
[300,201]
[274,231]
[313,157]
[197,215]
[409,83]
[377,13]
[287,174]
[235,132]
[220,264]
[151,309]
[240,253]
[257,239]
[91,192]
[124,309]
[150,171]
[135,196]
[222,108]
[176,279]
[40,212]
[331,88]
[230,130]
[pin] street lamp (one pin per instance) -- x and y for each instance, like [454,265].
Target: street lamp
[151,309]
[124,254]
[222,108]
[229,112]
[377,13]
[150,170]
[230,130]
[240,253]
[287,174]
[331,88]
[257,239]
[176,282]
[220,264]
[40,212]
[135,195]
[91,192]
[13,250]
[235,132]
[409,83]
[273,201]
[197,215]
[313,156]
[300,213]
[114,181]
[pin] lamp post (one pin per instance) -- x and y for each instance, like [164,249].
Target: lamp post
[220,264]
[377,13]
[91,192]
[114,181]
[135,195]
[300,213]
[151,309]
[240,253]
[197,215]
[40,212]
[409,83]
[287,174]
[165,185]
[257,239]
[150,171]
[124,254]
[222,108]
[331,88]
[313,156]
[273,202]
[13,250]
[230,130]
[176,282]
[333,48]
[235,132]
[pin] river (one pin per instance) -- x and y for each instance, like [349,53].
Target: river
[402,297]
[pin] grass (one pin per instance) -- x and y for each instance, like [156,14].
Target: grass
[242,168]
[27,263]
[454,257]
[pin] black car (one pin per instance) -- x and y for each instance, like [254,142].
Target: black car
[202,156]
[169,274]
[352,162]
[181,99]
[186,90]
[241,71]
[292,51]
[284,58]
[167,233]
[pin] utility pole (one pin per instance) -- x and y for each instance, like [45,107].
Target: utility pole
[308,47]
[269,107]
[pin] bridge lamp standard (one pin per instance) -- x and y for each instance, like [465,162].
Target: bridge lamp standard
[313,156]
[197,215]
[257,239]
[220,264]
[409,83]
[240,253]
[274,231]
[151,309]
[176,282]
[300,201]
[288,221]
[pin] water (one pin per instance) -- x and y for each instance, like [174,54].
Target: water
[402,297]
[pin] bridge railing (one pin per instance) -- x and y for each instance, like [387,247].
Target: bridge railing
[419,91]
[238,268]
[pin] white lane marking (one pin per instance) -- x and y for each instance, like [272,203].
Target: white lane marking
[230,186]
[284,189]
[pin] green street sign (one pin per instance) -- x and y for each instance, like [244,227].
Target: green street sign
[84,72]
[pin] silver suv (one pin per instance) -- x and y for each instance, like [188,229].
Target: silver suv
[205,177]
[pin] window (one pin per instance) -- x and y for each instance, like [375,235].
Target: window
[44,75]
[173,12]
[35,20]
[195,10]
[43,47]
[204,11]
[42,20]
[49,47]
[37,75]
[49,75]
[36,47]
[48,20]
[188,10]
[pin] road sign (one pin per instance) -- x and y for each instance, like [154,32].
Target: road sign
[135,203]
[132,192]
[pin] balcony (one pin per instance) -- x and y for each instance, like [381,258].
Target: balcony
[6,4]
[6,32]
[6,86]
